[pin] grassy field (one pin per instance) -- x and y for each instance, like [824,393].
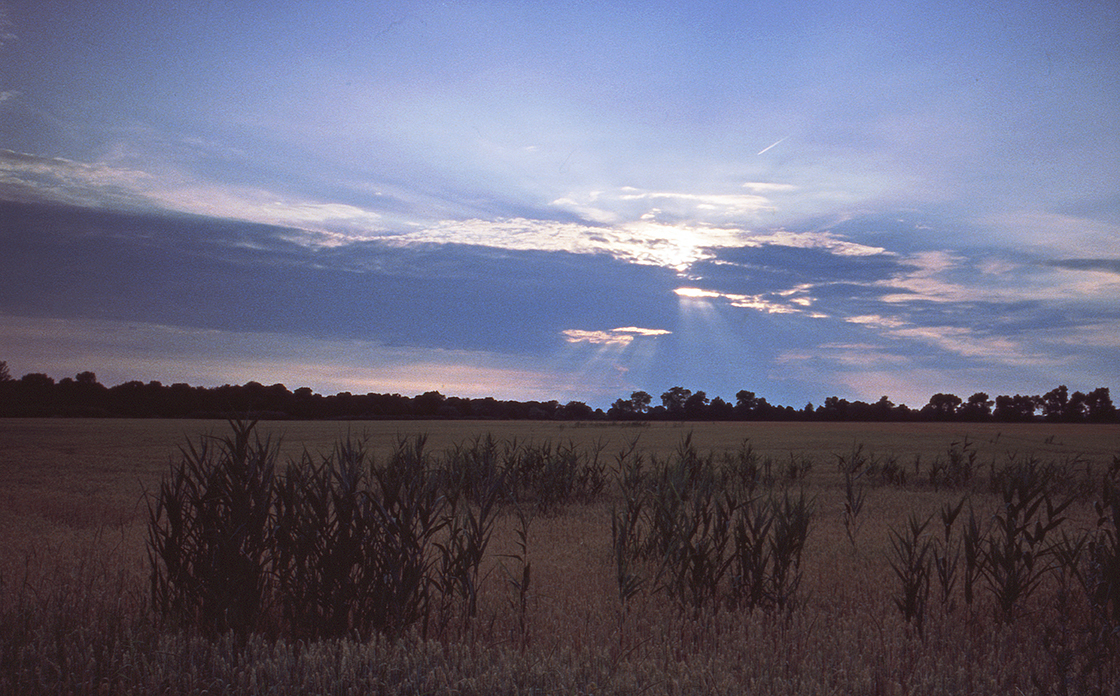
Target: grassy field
[76,617]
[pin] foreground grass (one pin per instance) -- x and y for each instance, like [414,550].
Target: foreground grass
[75,614]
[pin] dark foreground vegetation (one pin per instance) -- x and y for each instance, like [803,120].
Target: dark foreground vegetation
[698,572]
[39,395]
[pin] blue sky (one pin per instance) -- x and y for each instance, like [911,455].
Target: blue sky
[564,200]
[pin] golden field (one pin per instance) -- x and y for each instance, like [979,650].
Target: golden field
[75,610]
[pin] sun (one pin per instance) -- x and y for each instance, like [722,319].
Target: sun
[696,293]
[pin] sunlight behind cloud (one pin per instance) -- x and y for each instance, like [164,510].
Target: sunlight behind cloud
[622,336]
[791,301]
[640,242]
[697,293]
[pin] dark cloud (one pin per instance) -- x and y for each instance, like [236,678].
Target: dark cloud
[200,272]
[773,267]
[1102,265]
[1105,208]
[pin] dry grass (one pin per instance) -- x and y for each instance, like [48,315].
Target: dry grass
[75,614]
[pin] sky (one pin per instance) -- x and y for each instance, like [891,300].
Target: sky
[568,201]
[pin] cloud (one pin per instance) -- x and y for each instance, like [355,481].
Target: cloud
[768,187]
[68,181]
[642,332]
[641,242]
[964,341]
[1098,265]
[877,321]
[926,280]
[646,242]
[997,276]
[826,241]
[1092,334]
[969,343]
[723,205]
[1054,234]
[866,371]
[222,274]
[24,176]
[638,236]
[790,301]
[622,336]
[850,355]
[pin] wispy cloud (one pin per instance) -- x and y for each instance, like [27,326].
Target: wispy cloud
[110,185]
[1053,234]
[629,203]
[964,341]
[725,205]
[952,277]
[970,343]
[849,355]
[67,181]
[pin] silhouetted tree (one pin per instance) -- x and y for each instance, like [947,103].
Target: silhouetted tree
[456,407]
[942,406]
[833,409]
[1099,406]
[577,410]
[1015,409]
[640,401]
[977,408]
[428,404]
[34,395]
[542,411]
[1054,403]
[883,409]
[5,373]
[1077,410]
[674,400]
[719,409]
[745,404]
[81,396]
[621,409]
[696,406]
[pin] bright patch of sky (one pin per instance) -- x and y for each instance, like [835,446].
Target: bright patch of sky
[583,199]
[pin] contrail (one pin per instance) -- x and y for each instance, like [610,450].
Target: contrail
[774,145]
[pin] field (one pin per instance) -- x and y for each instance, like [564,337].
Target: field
[863,607]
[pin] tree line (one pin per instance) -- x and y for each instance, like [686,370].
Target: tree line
[39,395]
[1057,405]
